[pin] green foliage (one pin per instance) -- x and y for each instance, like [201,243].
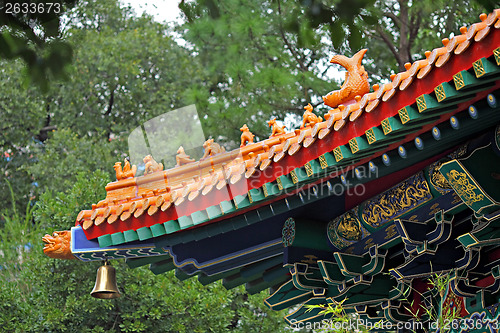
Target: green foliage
[22,112]
[58,210]
[64,156]
[126,71]
[339,317]
[31,31]
[403,30]
[40,294]
[243,62]
[253,66]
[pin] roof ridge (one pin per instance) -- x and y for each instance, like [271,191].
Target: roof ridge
[160,190]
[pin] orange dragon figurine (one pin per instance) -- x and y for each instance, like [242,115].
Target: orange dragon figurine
[212,148]
[126,172]
[182,158]
[356,80]
[277,130]
[309,118]
[58,246]
[151,165]
[246,136]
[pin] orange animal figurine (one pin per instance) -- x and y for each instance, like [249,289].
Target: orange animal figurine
[126,172]
[58,246]
[309,118]
[212,148]
[277,130]
[151,165]
[356,80]
[246,136]
[182,158]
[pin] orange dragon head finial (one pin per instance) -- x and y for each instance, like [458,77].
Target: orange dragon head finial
[58,246]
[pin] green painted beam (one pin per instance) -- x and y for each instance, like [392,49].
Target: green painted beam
[207,279]
[185,222]
[130,235]
[241,201]
[484,68]
[144,233]
[199,217]
[331,272]
[255,195]
[257,286]
[158,230]
[171,226]
[181,275]
[105,240]
[138,262]
[306,233]
[227,207]
[117,238]
[162,266]
[287,295]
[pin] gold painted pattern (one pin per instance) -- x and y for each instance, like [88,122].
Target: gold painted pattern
[413,218]
[496,53]
[250,199]
[403,115]
[391,232]
[264,189]
[396,201]
[322,162]
[354,145]
[309,170]
[464,188]
[369,243]
[478,68]
[434,209]
[346,230]
[440,93]
[370,136]
[295,179]
[386,126]
[421,104]
[437,180]
[280,184]
[458,79]
[338,154]
[497,137]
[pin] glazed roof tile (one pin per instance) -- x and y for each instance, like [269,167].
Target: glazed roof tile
[133,203]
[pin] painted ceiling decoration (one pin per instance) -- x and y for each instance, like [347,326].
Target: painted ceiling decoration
[359,206]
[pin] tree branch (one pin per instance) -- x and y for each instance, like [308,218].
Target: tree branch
[415,26]
[389,43]
[394,18]
[288,45]
[286,108]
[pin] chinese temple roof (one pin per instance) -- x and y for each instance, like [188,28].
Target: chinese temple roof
[388,181]
[352,132]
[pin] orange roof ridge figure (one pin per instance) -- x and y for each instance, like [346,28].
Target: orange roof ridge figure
[126,172]
[356,80]
[246,136]
[212,148]
[277,130]
[58,246]
[151,165]
[182,158]
[309,118]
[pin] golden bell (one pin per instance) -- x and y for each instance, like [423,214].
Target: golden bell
[105,284]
